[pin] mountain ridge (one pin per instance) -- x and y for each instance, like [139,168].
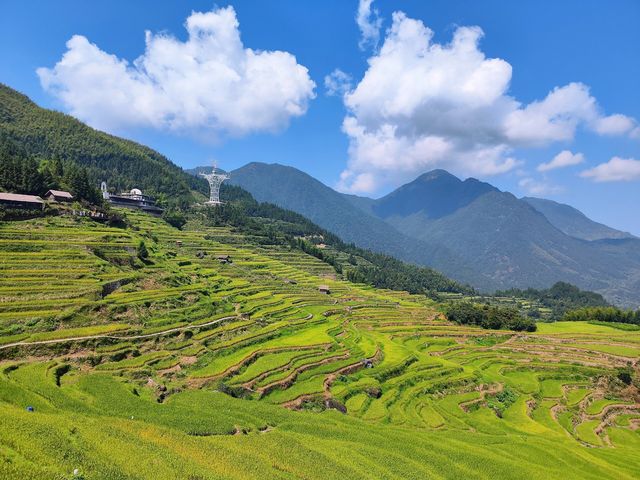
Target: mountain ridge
[351,224]
[573,222]
[449,195]
[483,236]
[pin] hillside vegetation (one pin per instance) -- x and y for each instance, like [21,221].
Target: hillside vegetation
[561,298]
[48,135]
[181,364]
[279,226]
[573,222]
[469,230]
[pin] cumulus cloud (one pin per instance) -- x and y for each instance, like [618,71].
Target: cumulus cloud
[369,22]
[615,170]
[535,187]
[423,105]
[209,83]
[564,159]
[614,125]
[337,83]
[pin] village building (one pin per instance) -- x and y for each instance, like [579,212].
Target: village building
[133,199]
[324,289]
[223,258]
[58,196]
[19,201]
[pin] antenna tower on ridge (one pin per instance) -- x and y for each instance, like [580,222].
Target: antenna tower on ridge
[215,180]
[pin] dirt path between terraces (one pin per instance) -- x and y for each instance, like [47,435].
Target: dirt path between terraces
[116,337]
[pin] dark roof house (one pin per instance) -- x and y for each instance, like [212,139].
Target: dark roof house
[58,196]
[25,202]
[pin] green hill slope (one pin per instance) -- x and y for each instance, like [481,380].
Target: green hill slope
[292,189]
[512,243]
[572,221]
[46,134]
[183,364]
[469,230]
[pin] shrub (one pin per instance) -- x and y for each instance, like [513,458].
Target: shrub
[175,218]
[490,317]
[143,253]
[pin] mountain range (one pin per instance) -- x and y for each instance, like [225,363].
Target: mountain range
[468,229]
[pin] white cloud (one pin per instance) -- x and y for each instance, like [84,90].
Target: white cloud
[615,170]
[564,159]
[337,83]
[423,105]
[535,187]
[614,125]
[369,22]
[208,84]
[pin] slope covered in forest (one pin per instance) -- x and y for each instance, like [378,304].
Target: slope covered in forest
[47,135]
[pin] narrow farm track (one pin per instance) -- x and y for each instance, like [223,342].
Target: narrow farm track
[118,337]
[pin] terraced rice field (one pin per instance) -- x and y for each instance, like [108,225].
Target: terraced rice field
[184,367]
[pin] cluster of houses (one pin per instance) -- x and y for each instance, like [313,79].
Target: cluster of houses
[133,199]
[33,202]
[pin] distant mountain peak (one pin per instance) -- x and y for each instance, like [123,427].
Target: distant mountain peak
[466,228]
[436,193]
[437,174]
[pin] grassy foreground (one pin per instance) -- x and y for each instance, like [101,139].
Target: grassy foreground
[180,366]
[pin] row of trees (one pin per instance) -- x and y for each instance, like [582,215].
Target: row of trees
[489,316]
[603,314]
[560,298]
[311,249]
[21,173]
[388,272]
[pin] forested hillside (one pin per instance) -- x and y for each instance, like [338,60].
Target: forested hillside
[285,227]
[294,190]
[560,298]
[469,230]
[46,135]
[572,221]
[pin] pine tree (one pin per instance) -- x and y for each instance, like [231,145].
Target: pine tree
[143,253]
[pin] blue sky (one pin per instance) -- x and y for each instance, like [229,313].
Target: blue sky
[392,123]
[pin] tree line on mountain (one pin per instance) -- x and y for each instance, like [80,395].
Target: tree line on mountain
[489,316]
[388,272]
[44,135]
[265,222]
[21,173]
[561,298]
[603,314]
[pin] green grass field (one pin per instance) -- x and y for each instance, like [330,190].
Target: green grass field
[183,367]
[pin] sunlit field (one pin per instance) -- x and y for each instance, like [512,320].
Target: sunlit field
[182,366]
